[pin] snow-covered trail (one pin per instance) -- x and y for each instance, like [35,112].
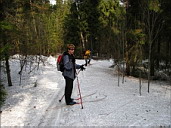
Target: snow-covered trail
[110,105]
[104,103]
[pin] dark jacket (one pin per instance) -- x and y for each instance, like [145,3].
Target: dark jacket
[69,66]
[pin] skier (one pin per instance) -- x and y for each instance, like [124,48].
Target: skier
[69,72]
[87,57]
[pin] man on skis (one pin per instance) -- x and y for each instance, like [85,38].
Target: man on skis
[69,72]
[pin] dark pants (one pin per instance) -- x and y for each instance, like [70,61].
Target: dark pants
[87,61]
[68,89]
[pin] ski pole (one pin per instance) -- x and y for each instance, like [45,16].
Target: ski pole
[78,71]
[79,93]
[61,98]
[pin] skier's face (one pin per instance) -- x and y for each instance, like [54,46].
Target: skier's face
[71,51]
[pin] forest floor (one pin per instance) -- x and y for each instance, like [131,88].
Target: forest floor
[36,101]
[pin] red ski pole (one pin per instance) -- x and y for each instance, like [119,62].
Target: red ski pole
[79,93]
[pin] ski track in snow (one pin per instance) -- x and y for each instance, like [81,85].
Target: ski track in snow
[104,103]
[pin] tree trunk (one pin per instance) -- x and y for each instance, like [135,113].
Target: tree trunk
[158,53]
[127,58]
[82,41]
[167,54]
[169,59]
[149,65]
[127,69]
[0,70]
[152,67]
[8,70]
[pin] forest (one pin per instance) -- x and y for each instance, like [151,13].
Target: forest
[136,34]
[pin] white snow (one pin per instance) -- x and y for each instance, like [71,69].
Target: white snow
[36,101]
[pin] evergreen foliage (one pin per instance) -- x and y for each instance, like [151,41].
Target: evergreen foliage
[127,30]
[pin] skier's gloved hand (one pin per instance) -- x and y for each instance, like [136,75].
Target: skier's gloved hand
[82,67]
